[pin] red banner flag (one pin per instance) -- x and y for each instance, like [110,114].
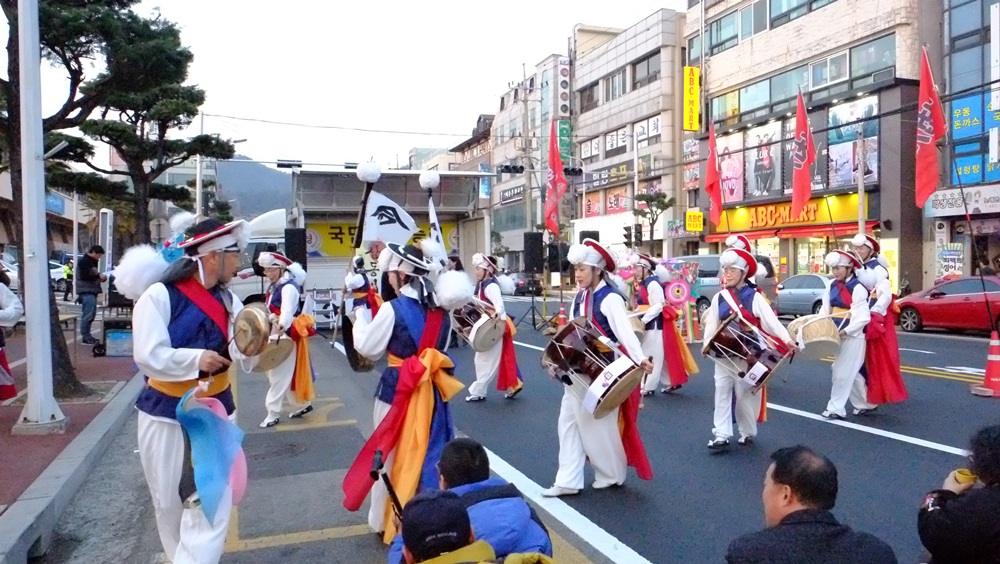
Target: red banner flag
[713,185]
[556,183]
[930,127]
[803,156]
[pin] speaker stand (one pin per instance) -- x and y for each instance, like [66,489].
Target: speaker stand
[535,314]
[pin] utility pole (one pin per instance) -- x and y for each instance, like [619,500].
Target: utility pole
[861,177]
[526,150]
[197,173]
[41,413]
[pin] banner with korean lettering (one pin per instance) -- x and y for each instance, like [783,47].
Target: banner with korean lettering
[616,200]
[692,98]
[593,203]
[970,117]
[325,239]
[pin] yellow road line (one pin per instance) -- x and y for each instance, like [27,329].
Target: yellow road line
[920,371]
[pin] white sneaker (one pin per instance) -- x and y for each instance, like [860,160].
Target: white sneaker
[557,491]
[268,423]
[603,486]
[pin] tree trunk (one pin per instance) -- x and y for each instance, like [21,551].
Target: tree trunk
[64,380]
[142,210]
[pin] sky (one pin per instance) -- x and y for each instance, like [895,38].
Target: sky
[429,66]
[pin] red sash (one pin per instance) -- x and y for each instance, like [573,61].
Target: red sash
[845,294]
[206,302]
[673,361]
[750,318]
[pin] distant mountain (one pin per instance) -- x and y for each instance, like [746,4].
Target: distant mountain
[256,188]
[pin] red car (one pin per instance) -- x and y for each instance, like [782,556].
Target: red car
[955,304]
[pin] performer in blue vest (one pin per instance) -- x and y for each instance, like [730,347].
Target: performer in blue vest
[291,380]
[362,291]
[501,359]
[739,297]
[867,249]
[611,443]
[181,326]
[397,330]
[847,302]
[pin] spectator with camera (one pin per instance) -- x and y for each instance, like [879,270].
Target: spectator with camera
[498,513]
[960,523]
[800,489]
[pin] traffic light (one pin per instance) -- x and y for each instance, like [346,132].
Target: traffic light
[511,169]
[628,235]
[572,171]
[638,234]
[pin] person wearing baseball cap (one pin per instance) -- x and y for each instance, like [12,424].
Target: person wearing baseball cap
[753,313]
[413,393]
[436,530]
[501,360]
[660,341]
[609,448]
[847,303]
[290,381]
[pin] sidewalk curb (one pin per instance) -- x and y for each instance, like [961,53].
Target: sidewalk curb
[26,526]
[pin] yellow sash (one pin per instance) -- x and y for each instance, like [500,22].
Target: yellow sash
[304,391]
[216,385]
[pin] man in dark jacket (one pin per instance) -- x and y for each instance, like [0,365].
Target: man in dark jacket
[498,513]
[800,489]
[961,523]
[88,286]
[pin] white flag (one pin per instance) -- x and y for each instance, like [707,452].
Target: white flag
[386,221]
[436,235]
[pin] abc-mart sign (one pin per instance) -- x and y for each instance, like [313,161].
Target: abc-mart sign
[979,199]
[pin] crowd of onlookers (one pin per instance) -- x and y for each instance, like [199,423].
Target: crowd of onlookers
[477,518]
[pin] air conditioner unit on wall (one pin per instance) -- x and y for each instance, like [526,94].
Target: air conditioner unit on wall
[887,74]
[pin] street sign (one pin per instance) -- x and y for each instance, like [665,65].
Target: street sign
[694,221]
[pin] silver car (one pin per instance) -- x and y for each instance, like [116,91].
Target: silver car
[801,294]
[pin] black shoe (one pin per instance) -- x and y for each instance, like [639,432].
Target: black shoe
[646,394]
[301,412]
[669,389]
[88,341]
[718,444]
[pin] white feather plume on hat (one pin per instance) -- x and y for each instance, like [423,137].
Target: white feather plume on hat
[383,261]
[453,289]
[584,254]
[181,222]
[434,254]
[506,284]
[297,273]
[140,267]
[662,273]
[617,282]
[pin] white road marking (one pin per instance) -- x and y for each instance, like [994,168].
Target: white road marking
[871,430]
[917,351]
[527,346]
[588,531]
[961,370]
[584,528]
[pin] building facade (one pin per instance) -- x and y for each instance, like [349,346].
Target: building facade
[475,154]
[959,248]
[627,98]
[857,64]
[520,134]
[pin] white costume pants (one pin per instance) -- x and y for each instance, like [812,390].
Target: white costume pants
[380,495]
[185,533]
[280,378]
[487,367]
[652,346]
[581,437]
[747,405]
[847,380]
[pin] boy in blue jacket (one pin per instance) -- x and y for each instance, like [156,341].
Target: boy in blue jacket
[499,515]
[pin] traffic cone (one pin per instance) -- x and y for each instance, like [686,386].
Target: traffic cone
[991,382]
[562,316]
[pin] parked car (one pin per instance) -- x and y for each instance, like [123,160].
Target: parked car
[801,294]
[955,304]
[710,281]
[526,285]
[58,275]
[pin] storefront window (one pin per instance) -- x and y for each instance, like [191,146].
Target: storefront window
[809,255]
[770,249]
[763,161]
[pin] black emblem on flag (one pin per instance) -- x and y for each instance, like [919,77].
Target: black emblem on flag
[925,124]
[799,146]
[387,215]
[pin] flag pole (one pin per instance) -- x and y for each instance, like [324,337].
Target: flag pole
[972,241]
